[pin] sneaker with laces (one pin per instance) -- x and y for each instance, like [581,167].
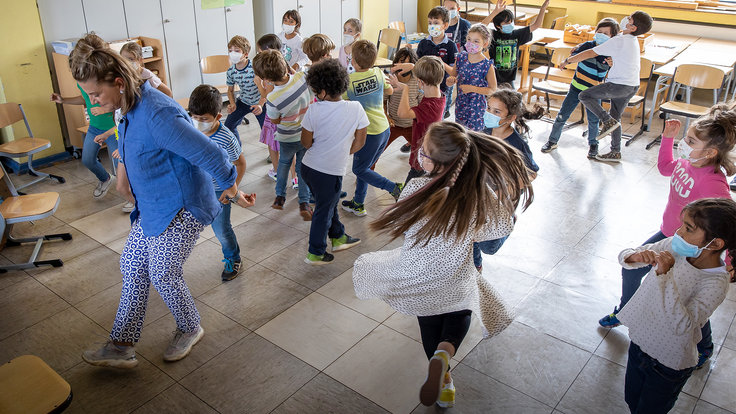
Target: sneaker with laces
[610,321]
[128,207]
[607,127]
[278,203]
[353,207]
[315,260]
[703,358]
[182,343]
[396,193]
[406,148]
[438,366]
[592,152]
[305,211]
[613,156]
[295,183]
[272,174]
[231,270]
[549,146]
[111,355]
[102,188]
[343,243]
[447,395]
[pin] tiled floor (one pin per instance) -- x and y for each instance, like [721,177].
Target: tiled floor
[288,338]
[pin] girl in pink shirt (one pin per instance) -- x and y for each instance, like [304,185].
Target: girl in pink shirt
[697,173]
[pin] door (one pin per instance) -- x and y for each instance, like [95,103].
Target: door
[145,20]
[351,8]
[239,19]
[331,19]
[410,15]
[279,8]
[180,36]
[106,19]
[212,37]
[310,13]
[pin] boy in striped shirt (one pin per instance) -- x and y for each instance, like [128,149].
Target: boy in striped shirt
[588,73]
[286,106]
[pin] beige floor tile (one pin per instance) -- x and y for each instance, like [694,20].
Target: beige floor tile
[598,389]
[290,263]
[59,340]
[513,285]
[721,321]
[65,250]
[477,393]
[264,187]
[317,330]
[702,407]
[26,303]
[590,275]
[11,277]
[205,235]
[75,282]
[104,226]
[520,357]
[203,269]
[103,306]
[566,230]
[564,314]
[219,333]
[77,202]
[405,325]
[74,172]
[247,388]
[98,390]
[117,245]
[261,237]
[175,399]
[514,254]
[720,389]
[386,367]
[325,395]
[696,383]
[615,346]
[255,297]
[342,290]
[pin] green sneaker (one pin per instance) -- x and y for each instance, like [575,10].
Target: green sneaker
[397,191]
[353,207]
[343,243]
[313,259]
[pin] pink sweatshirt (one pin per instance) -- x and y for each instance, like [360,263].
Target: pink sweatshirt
[687,183]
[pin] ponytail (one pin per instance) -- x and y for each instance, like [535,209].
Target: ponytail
[514,102]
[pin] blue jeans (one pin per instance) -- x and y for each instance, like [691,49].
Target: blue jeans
[326,189]
[487,247]
[651,387]
[362,161]
[236,117]
[568,105]
[287,151]
[91,149]
[618,95]
[630,282]
[224,232]
[448,99]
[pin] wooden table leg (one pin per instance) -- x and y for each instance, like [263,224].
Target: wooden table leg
[524,67]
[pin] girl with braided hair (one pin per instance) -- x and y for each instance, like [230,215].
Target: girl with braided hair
[474,183]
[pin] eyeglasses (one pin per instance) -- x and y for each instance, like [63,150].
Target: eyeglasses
[424,155]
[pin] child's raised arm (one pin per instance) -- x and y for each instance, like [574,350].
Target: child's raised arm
[500,5]
[405,110]
[666,160]
[540,17]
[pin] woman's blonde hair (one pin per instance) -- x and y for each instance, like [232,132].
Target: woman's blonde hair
[467,165]
[92,59]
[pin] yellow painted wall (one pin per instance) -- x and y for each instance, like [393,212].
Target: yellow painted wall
[374,15]
[589,12]
[24,70]
[423,8]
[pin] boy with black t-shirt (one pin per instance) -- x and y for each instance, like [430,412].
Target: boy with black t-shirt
[506,40]
[439,44]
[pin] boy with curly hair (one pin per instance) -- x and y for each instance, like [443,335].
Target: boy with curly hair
[332,129]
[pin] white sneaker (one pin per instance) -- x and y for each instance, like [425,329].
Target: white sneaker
[111,355]
[102,188]
[272,174]
[295,184]
[182,344]
[128,207]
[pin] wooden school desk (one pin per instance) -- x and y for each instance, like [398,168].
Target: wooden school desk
[543,37]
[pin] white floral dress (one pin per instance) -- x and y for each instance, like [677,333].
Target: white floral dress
[437,278]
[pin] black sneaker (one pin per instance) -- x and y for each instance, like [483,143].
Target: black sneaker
[396,193]
[549,146]
[343,243]
[406,148]
[353,207]
[231,270]
[447,115]
[314,260]
[278,203]
[592,152]
[609,157]
[607,127]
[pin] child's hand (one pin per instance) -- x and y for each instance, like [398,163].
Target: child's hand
[393,80]
[245,200]
[647,256]
[665,261]
[451,80]
[671,128]
[100,139]
[256,109]
[500,5]
[609,61]
[467,88]
[230,108]
[97,110]
[116,155]
[402,67]
[55,97]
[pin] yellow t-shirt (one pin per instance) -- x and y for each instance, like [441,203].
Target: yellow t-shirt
[367,88]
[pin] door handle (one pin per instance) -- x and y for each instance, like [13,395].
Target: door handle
[228,10]
[167,21]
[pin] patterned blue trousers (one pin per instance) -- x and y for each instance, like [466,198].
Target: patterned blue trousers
[158,260]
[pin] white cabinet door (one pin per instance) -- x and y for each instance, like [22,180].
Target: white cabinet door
[351,8]
[279,8]
[310,13]
[106,19]
[212,36]
[61,19]
[396,11]
[181,46]
[331,19]
[410,15]
[144,20]
[239,21]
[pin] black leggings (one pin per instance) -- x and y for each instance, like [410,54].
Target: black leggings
[447,327]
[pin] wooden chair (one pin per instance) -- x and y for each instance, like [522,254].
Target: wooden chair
[556,82]
[29,385]
[10,113]
[217,64]
[691,76]
[559,23]
[15,209]
[391,38]
[398,25]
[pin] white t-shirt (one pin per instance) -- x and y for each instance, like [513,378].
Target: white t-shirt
[624,50]
[151,77]
[292,50]
[334,125]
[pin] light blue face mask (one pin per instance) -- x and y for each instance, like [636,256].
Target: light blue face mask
[491,120]
[507,28]
[453,14]
[600,38]
[685,249]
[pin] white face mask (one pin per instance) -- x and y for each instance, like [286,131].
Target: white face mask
[235,57]
[287,28]
[202,126]
[685,151]
[435,30]
[348,39]
[624,22]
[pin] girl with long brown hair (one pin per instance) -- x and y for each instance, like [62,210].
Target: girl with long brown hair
[474,183]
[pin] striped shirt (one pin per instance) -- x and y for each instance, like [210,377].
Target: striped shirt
[289,102]
[395,98]
[589,72]
[228,142]
[244,78]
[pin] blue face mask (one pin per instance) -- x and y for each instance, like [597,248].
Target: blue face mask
[491,120]
[600,38]
[685,249]
[507,28]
